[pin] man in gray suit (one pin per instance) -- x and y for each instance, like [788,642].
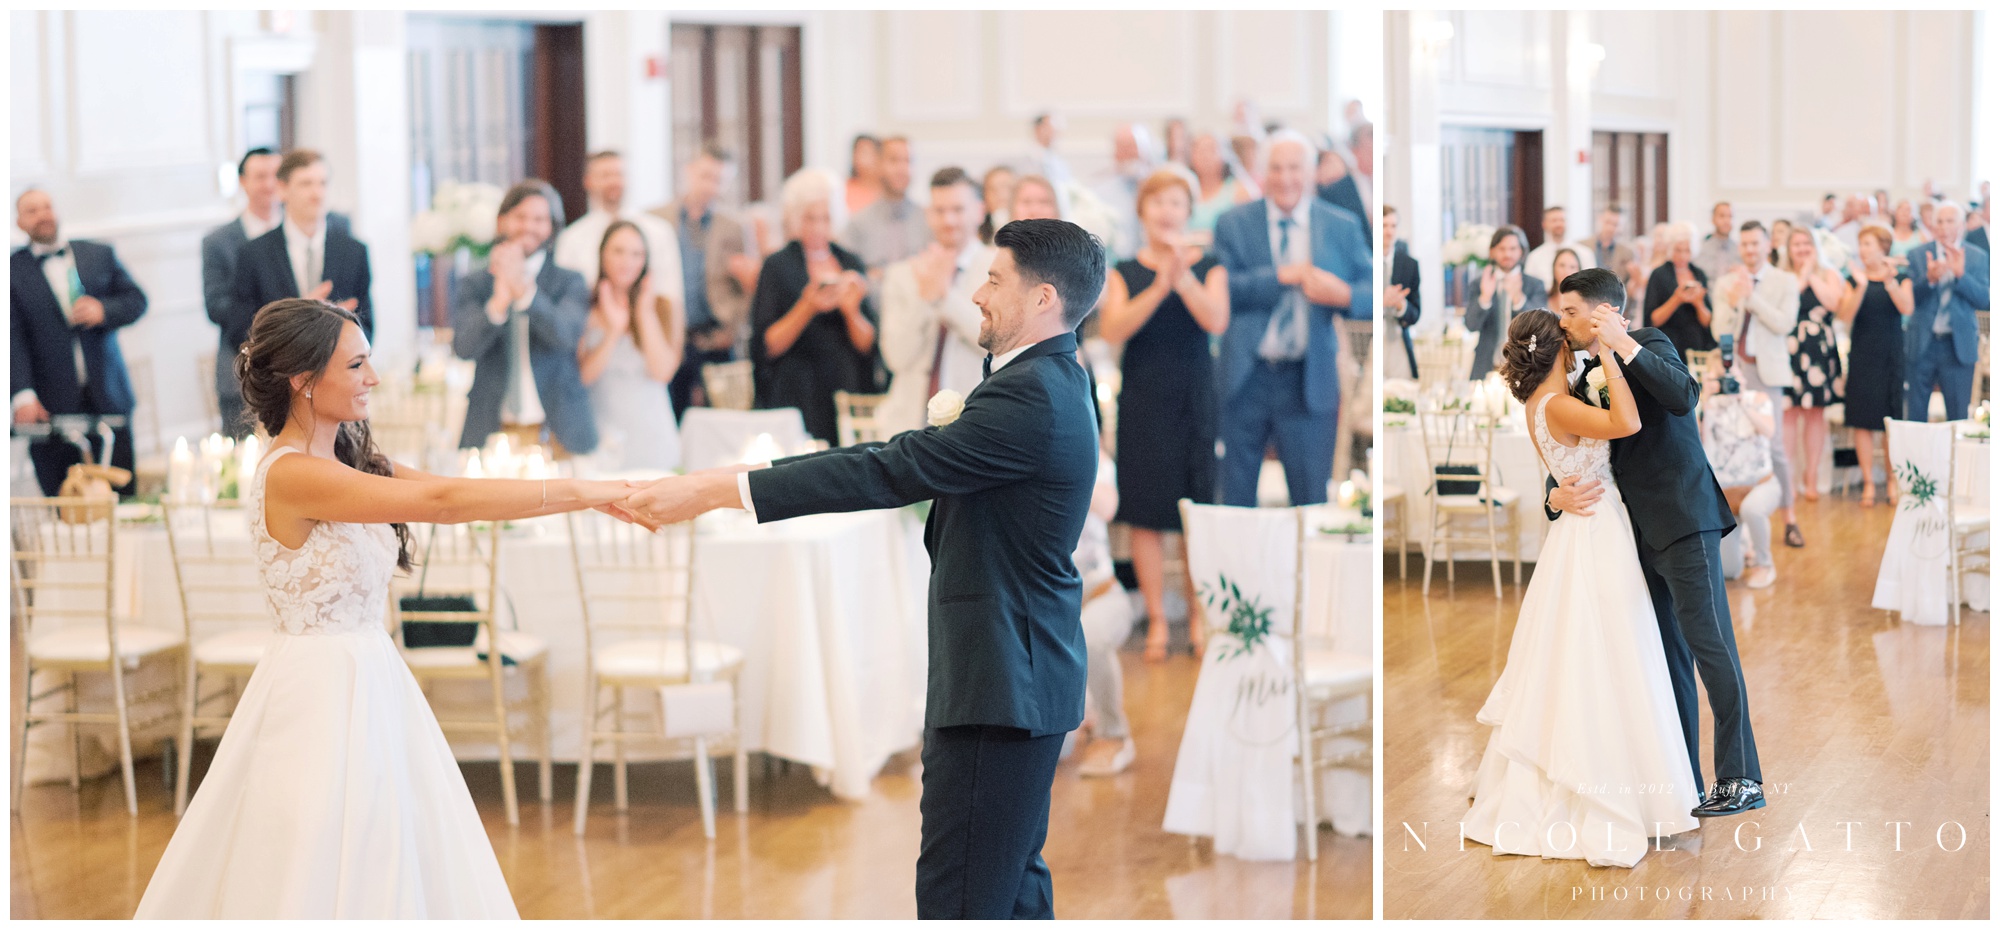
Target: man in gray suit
[257,173]
[719,266]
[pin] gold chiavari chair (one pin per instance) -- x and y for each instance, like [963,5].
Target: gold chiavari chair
[224,615]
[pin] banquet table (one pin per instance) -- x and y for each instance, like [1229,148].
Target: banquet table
[1514,461]
[829,610]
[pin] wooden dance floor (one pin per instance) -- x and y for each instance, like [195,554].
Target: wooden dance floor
[1858,717]
[799,853]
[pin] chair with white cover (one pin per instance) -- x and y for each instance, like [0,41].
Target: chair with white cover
[711,436]
[463,561]
[639,632]
[1468,502]
[729,385]
[224,614]
[1934,533]
[63,550]
[1251,559]
[857,415]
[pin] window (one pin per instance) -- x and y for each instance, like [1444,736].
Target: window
[1630,169]
[739,86]
[1492,177]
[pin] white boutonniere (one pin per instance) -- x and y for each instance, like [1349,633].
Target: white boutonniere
[1597,388]
[944,407]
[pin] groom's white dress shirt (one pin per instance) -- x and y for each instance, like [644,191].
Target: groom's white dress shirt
[743,478]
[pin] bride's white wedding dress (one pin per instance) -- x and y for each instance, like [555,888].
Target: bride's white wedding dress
[333,793]
[1587,760]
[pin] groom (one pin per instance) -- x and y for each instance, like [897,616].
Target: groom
[1680,516]
[1012,478]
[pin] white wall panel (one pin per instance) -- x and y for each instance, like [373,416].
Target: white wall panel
[1097,63]
[140,84]
[935,73]
[1745,96]
[1830,94]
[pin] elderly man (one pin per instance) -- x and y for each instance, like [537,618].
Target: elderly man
[1294,262]
[1853,213]
[1950,277]
[1119,187]
[577,247]
[1719,254]
[930,326]
[67,300]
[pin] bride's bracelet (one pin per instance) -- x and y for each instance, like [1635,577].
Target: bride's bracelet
[545,492]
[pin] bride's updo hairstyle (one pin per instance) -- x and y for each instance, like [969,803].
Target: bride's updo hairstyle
[1535,344]
[297,336]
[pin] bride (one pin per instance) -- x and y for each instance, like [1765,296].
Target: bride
[333,793]
[1587,759]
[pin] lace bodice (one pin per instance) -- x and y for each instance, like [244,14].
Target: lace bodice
[1588,459]
[338,582]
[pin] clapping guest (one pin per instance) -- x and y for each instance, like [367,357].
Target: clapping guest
[1220,190]
[1829,212]
[1294,262]
[1505,288]
[719,262]
[1402,299]
[812,323]
[930,326]
[1781,234]
[66,301]
[1048,128]
[306,256]
[1854,212]
[1677,295]
[1816,372]
[1951,279]
[578,246]
[1608,249]
[632,345]
[997,190]
[892,228]
[1162,306]
[1878,297]
[1758,305]
[1905,234]
[1736,430]
[864,173]
[520,319]
[257,175]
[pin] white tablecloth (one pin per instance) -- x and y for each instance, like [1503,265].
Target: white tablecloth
[830,611]
[1514,458]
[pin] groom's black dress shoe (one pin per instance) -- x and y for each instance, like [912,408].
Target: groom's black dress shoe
[1731,796]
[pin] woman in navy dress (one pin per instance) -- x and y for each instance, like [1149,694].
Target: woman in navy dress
[1877,301]
[1164,305]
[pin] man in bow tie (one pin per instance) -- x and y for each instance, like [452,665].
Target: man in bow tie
[1012,478]
[68,298]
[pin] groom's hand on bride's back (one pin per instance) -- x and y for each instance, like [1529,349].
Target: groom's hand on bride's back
[1573,497]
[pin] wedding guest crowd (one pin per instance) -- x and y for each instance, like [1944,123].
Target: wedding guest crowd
[1864,304]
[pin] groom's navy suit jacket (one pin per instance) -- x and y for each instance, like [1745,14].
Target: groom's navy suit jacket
[1012,478]
[1662,470]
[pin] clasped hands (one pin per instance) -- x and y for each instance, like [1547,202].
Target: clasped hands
[1319,285]
[679,498]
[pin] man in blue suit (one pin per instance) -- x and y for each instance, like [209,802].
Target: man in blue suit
[67,299]
[1012,477]
[1294,262]
[1949,280]
[257,174]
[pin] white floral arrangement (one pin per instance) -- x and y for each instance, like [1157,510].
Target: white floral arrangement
[1082,206]
[461,216]
[1469,246]
[944,407]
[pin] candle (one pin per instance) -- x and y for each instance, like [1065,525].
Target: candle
[761,449]
[472,469]
[246,462]
[1347,494]
[180,472]
[536,467]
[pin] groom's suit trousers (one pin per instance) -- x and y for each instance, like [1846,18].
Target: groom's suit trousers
[986,814]
[1685,580]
